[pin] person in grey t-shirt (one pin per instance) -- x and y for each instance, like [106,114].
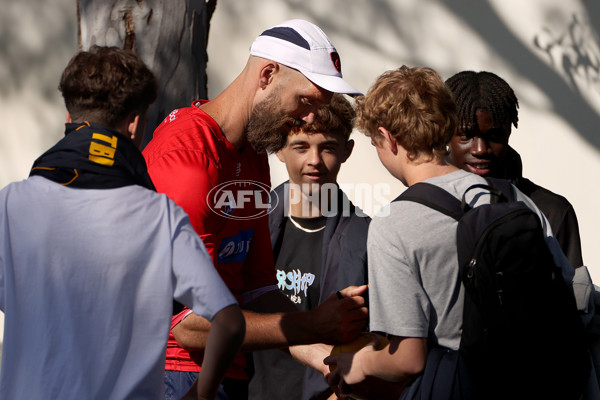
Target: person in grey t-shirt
[416,296]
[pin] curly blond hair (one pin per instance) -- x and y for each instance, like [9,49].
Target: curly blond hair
[415,106]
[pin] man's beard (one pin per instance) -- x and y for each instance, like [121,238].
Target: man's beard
[266,131]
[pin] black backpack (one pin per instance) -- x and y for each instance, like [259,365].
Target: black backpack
[522,337]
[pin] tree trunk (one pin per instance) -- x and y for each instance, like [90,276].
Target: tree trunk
[169,35]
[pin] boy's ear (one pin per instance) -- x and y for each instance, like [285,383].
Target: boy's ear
[389,140]
[132,125]
[279,155]
[68,118]
[348,149]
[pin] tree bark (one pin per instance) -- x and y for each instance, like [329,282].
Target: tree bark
[169,35]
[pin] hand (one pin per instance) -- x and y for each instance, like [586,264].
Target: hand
[346,368]
[376,371]
[340,320]
[348,378]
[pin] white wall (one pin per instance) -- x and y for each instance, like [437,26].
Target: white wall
[557,81]
[558,89]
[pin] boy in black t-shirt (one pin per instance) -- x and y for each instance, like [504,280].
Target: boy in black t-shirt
[319,242]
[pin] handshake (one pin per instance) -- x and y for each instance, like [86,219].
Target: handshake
[343,335]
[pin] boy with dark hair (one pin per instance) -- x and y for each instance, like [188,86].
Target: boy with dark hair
[416,294]
[92,257]
[319,242]
[487,108]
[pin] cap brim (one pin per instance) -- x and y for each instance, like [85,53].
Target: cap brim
[334,84]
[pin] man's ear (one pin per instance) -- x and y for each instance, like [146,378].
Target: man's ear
[348,149]
[68,118]
[388,139]
[267,72]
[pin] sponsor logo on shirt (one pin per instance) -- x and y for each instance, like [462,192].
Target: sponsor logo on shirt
[171,117]
[235,248]
[241,199]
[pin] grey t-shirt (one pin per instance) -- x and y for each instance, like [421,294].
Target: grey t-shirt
[414,283]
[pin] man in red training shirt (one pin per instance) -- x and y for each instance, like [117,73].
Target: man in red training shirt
[211,159]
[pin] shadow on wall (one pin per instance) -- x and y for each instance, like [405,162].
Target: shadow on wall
[565,60]
[573,52]
[37,38]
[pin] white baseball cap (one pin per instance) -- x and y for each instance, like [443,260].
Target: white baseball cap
[303,46]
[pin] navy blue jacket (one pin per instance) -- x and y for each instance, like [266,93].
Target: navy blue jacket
[344,262]
[558,210]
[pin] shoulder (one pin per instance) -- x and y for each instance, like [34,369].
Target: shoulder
[458,182]
[277,202]
[185,130]
[278,199]
[395,220]
[545,199]
[358,221]
[163,210]
[352,225]
[15,186]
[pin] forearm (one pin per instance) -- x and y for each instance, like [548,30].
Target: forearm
[335,321]
[338,319]
[273,321]
[263,331]
[277,330]
[312,355]
[399,361]
[224,340]
[192,332]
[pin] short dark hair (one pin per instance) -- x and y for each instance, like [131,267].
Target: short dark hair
[484,91]
[106,84]
[415,106]
[336,117]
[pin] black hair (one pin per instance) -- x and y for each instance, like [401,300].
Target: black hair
[486,91]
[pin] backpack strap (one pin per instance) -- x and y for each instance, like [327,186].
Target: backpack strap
[504,186]
[439,199]
[433,197]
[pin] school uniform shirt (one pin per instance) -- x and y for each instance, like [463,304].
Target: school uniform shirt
[87,279]
[225,192]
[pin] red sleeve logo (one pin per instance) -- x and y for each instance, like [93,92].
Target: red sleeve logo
[337,63]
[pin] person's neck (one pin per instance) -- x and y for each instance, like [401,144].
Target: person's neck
[231,110]
[420,172]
